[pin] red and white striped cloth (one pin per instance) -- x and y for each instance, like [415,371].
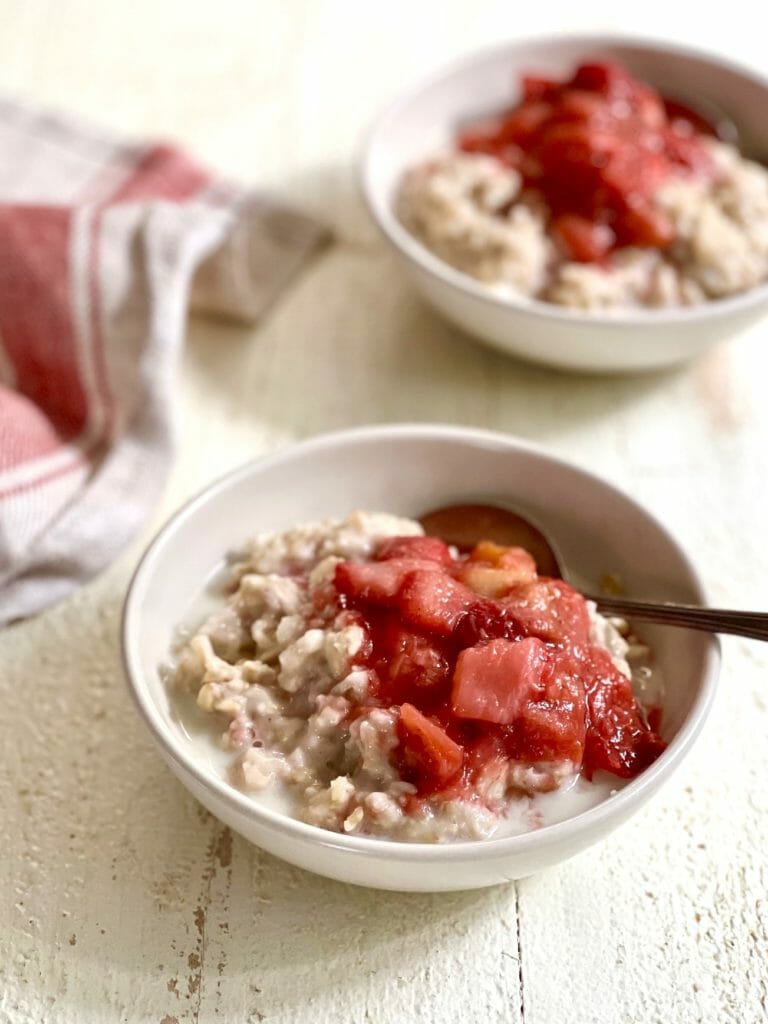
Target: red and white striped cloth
[104,247]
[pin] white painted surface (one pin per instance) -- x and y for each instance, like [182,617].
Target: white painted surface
[120,900]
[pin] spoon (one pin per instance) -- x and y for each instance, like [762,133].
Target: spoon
[465,525]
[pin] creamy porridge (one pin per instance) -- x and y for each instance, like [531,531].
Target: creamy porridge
[372,681]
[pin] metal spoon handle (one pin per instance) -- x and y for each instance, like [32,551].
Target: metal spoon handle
[710,620]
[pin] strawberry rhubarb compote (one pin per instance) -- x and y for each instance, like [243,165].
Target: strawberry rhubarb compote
[594,192]
[381,683]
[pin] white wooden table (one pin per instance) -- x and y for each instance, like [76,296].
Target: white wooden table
[120,898]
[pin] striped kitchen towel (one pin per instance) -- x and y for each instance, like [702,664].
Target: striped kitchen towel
[104,248]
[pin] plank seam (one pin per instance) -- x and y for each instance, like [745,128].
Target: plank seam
[519,954]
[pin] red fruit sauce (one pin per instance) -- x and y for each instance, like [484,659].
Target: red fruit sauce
[595,149]
[486,662]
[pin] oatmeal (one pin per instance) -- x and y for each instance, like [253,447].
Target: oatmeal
[595,194]
[380,683]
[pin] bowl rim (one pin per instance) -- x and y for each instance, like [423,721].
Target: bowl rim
[594,820]
[381,209]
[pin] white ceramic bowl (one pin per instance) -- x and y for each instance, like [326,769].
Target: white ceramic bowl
[406,470]
[424,122]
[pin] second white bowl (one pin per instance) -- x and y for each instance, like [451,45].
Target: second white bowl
[424,121]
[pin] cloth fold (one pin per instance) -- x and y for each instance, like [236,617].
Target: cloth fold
[104,249]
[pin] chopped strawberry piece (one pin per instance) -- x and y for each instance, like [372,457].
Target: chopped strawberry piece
[647,227]
[493,570]
[493,681]
[552,731]
[536,87]
[552,727]
[486,620]
[519,561]
[491,581]
[618,740]
[581,239]
[429,549]
[410,665]
[488,747]
[649,108]
[520,126]
[432,601]
[487,551]
[578,106]
[426,754]
[485,580]
[510,558]
[480,137]
[418,662]
[571,157]
[550,609]
[604,77]
[376,582]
